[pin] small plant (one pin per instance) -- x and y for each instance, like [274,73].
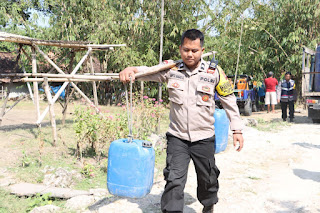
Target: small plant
[39,200]
[26,161]
[88,171]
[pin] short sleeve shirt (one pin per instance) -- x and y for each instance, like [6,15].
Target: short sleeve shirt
[271,84]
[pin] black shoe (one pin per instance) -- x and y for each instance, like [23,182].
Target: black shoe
[291,120]
[208,209]
[284,119]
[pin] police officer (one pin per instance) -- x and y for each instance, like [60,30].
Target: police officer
[285,94]
[192,85]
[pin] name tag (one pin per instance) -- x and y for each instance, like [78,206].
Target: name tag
[176,75]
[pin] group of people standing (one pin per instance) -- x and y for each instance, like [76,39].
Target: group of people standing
[278,92]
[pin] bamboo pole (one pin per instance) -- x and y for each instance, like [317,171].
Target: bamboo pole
[160,60]
[87,99]
[161,67]
[35,83]
[15,103]
[60,80]
[94,86]
[4,106]
[30,41]
[48,59]
[26,54]
[64,85]
[51,111]
[69,76]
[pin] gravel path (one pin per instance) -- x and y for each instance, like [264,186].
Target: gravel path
[275,172]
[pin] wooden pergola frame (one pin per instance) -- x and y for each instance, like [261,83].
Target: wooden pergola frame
[61,77]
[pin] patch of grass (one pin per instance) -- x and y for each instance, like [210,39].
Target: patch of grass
[254,178]
[10,203]
[98,181]
[269,126]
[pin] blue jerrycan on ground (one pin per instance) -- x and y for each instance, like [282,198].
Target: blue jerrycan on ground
[130,168]
[221,128]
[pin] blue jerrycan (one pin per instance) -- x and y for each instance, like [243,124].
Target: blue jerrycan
[130,168]
[221,127]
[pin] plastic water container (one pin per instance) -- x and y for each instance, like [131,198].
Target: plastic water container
[130,168]
[317,69]
[221,126]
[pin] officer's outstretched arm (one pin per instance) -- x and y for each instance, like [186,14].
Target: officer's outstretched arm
[128,72]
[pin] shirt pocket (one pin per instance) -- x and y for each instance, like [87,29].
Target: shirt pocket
[205,95]
[176,90]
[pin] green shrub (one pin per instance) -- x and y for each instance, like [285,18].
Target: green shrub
[94,132]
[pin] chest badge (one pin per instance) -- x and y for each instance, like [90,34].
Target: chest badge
[206,88]
[175,85]
[205,98]
[211,71]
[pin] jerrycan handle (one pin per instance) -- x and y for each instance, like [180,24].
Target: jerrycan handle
[129,111]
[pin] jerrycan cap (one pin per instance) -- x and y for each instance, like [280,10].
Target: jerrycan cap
[146,144]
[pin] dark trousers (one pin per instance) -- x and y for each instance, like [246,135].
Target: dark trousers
[179,153]
[284,106]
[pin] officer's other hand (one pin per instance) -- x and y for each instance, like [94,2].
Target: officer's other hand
[238,141]
[278,100]
[128,72]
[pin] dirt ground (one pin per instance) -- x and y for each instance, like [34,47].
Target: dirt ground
[277,171]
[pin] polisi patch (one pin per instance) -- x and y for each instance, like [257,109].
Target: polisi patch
[206,79]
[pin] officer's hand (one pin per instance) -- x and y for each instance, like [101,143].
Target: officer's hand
[128,72]
[238,140]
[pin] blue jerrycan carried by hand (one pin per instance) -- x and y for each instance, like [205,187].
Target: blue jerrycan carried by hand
[221,128]
[130,168]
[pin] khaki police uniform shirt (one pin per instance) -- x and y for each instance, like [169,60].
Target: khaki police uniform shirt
[192,104]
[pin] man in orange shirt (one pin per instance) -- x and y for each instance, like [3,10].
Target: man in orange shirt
[271,96]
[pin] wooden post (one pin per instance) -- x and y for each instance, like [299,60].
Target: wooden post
[67,96]
[94,84]
[51,111]
[4,106]
[35,83]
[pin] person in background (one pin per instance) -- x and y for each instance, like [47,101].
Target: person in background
[285,93]
[261,95]
[271,96]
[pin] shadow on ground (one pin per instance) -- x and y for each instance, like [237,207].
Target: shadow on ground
[307,145]
[307,175]
[288,207]
[30,125]
[149,203]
